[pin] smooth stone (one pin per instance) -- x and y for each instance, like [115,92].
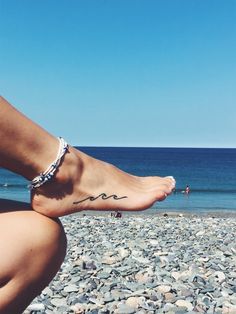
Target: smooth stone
[142,260]
[138,293]
[78,308]
[163,289]
[118,295]
[233,300]
[64,293]
[229,309]
[232,274]
[132,286]
[133,302]
[71,288]
[83,299]
[186,292]
[168,307]
[62,309]
[207,301]
[176,275]
[75,279]
[98,302]
[104,289]
[154,242]
[36,307]
[109,260]
[225,294]
[142,277]
[123,252]
[220,276]
[185,304]
[47,291]
[58,302]
[103,275]
[200,233]
[108,299]
[125,309]
[169,297]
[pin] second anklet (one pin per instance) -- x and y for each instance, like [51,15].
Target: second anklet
[50,171]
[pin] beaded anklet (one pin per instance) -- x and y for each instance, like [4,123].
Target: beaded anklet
[50,171]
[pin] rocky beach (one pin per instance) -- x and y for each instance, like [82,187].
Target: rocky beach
[163,263]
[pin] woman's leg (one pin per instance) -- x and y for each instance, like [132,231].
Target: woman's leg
[32,249]
[80,182]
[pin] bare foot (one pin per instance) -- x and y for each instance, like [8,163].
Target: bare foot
[85,183]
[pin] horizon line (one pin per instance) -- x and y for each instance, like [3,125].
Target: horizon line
[168,147]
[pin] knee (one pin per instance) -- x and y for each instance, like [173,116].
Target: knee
[47,236]
[36,251]
[47,247]
[45,250]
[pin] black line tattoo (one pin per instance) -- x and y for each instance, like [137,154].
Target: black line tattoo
[102,196]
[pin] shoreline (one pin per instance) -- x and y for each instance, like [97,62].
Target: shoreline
[159,213]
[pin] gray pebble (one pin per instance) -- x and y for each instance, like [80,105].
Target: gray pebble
[159,260]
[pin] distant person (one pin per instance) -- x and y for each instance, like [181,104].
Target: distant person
[187,190]
[64,180]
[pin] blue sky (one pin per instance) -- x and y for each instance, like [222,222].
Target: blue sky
[123,72]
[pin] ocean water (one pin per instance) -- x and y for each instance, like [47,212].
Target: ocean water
[210,173]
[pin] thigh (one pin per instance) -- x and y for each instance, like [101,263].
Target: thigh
[32,248]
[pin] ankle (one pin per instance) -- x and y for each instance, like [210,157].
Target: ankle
[70,168]
[49,173]
[41,157]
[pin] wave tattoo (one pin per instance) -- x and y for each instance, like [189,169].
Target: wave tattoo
[102,196]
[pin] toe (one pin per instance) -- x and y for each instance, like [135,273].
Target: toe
[161,195]
[171,181]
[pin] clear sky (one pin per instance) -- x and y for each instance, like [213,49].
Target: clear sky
[123,72]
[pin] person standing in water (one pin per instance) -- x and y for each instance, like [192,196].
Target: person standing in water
[187,190]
